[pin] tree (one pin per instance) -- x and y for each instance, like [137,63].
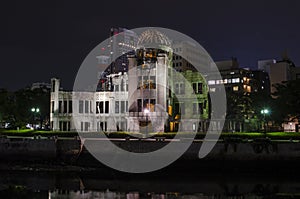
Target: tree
[239,109]
[26,99]
[7,106]
[244,109]
[15,107]
[287,101]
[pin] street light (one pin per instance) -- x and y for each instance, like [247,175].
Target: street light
[34,111]
[146,111]
[264,112]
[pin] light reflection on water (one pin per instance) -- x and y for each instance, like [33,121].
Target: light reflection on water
[85,194]
[100,185]
[131,195]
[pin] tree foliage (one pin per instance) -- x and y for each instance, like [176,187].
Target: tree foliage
[15,107]
[239,106]
[287,100]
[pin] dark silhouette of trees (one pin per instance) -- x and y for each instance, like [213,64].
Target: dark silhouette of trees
[6,106]
[244,109]
[287,101]
[15,107]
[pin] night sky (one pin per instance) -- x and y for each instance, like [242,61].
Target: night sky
[44,39]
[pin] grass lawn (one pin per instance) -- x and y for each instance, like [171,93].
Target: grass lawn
[29,133]
[242,135]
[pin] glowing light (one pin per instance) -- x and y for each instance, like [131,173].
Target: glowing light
[35,110]
[264,111]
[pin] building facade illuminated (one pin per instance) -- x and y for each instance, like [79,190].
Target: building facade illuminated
[238,80]
[148,96]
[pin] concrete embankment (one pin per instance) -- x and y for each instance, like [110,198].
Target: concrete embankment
[223,150]
[38,148]
[256,150]
[73,150]
[27,149]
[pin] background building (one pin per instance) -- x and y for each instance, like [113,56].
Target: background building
[241,84]
[41,85]
[239,80]
[186,50]
[279,71]
[122,42]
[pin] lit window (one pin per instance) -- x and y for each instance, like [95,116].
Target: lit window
[249,89]
[235,88]
[212,90]
[211,82]
[235,80]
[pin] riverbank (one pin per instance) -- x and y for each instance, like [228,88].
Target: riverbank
[63,152]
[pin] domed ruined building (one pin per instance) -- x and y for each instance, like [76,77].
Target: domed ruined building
[143,99]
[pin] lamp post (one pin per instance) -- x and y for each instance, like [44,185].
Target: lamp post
[146,112]
[264,112]
[34,112]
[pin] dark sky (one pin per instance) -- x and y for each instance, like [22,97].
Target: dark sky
[44,39]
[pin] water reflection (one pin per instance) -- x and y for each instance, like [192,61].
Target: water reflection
[85,194]
[131,195]
[80,194]
[102,184]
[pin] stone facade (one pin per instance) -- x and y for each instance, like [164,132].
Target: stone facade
[151,96]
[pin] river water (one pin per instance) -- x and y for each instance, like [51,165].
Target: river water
[79,183]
